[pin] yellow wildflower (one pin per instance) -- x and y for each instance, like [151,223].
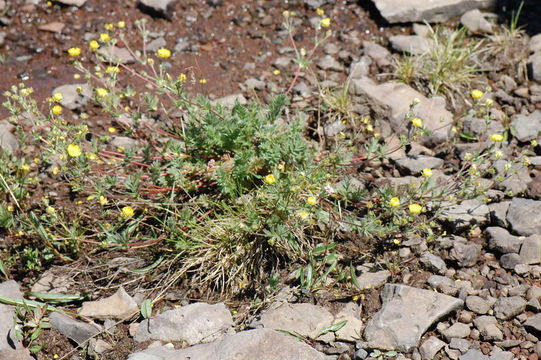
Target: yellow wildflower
[417,122]
[74,150]
[320,12]
[112,69]
[496,137]
[50,210]
[101,92]
[127,211]
[94,45]
[57,96]
[476,94]
[111,129]
[108,27]
[75,51]
[276,72]
[164,53]
[326,22]
[427,172]
[25,167]
[103,200]
[121,24]
[57,109]
[182,77]
[396,242]
[11,208]
[105,37]
[303,214]
[203,81]
[394,202]
[415,209]
[311,200]
[270,179]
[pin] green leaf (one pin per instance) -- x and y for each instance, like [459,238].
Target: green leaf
[467,136]
[56,298]
[35,334]
[35,348]
[146,308]
[149,267]
[3,269]
[26,303]
[353,277]
[323,248]
[333,328]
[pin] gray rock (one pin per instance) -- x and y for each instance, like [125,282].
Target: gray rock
[465,253]
[328,62]
[375,279]
[378,53]
[195,323]
[305,319]
[535,43]
[413,44]
[406,314]
[77,331]
[265,344]
[181,45]
[160,7]
[473,354]
[469,212]
[74,96]
[477,304]
[156,44]
[460,344]
[475,21]
[443,284]
[457,330]
[434,263]
[533,323]
[10,347]
[123,142]
[334,128]
[117,306]
[498,213]
[360,68]
[431,347]
[77,3]
[527,127]
[8,140]
[501,241]
[282,62]
[116,55]
[229,101]
[415,164]
[253,83]
[534,65]
[509,261]
[488,328]
[481,127]
[392,100]
[352,329]
[530,252]
[524,215]
[360,354]
[400,11]
[506,308]
[503,355]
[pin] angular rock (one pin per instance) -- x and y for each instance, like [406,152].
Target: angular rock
[305,319]
[530,252]
[465,253]
[376,279]
[457,330]
[527,127]
[473,354]
[393,100]
[263,344]
[406,314]
[77,331]
[488,328]
[413,44]
[77,3]
[400,11]
[415,164]
[116,55]
[10,347]
[117,306]
[352,330]
[460,344]
[230,100]
[481,127]
[503,355]
[475,21]
[524,216]
[506,308]
[501,241]
[8,140]
[477,304]
[378,53]
[156,7]
[498,213]
[360,68]
[329,63]
[434,263]
[509,261]
[534,66]
[443,284]
[195,323]
[74,96]
[468,212]
[431,347]
[533,323]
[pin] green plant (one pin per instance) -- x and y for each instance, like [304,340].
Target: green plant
[29,324]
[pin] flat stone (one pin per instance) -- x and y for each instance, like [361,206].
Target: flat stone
[498,213]
[457,330]
[156,7]
[466,253]
[443,284]
[473,354]
[77,331]
[415,164]
[527,127]
[413,44]
[506,308]
[481,127]
[117,306]
[116,55]
[510,261]
[468,212]
[351,331]
[501,241]
[401,11]
[378,53]
[229,101]
[375,279]
[460,344]
[475,21]
[503,355]
[477,304]
[434,263]
[10,347]
[328,62]
[533,323]
[431,347]
[530,252]
[77,3]
[193,324]
[74,96]
[8,140]
[524,215]
[406,314]
[54,27]
[305,319]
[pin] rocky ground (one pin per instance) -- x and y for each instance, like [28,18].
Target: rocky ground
[472,293]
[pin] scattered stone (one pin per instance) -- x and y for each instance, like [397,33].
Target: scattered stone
[534,66]
[195,323]
[267,344]
[74,96]
[477,304]
[530,252]
[527,127]
[373,280]
[443,284]
[464,252]
[77,331]
[54,27]
[123,142]
[431,347]
[498,213]
[399,11]
[117,306]
[524,216]
[481,127]
[329,63]
[230,101]
[378,53]
[416,164]
[351,331]
[256,84]
[360,68]
[434,263]
[77,3]
[503,355]
[460,344]
[457,330]
[468,212]
[488,327]
[10,347]
[156,44]
[510,261]
[54,282]
[506,308]
[305,319]
[418,310]
[501,241]
[413,44]
[116,55]
[473,354]
[533,323]
[8,141]
[476,22]
[156,7]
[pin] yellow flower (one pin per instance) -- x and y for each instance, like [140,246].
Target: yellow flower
[76,76]
[56,170]
[311,200]
[417,122]
[94,45]
[11,208]
[112,69]
[105,37]
[57,96]
[489,102]
[427,172]
[57,109]
[203,81]
[270,179]
[108,27]
[415,209]
[496,137]
[103,200]
[286,14]
[394,202]
[127,211]
[121,24]
[396,242]
[50,210]
[303,214]
[182,77]
[164,53]
[477,94]
[101,92]
[75,51]
[74,150]
[534,143]
[276,72]
[25,167]
[320,12]
[326,22]
[112,130]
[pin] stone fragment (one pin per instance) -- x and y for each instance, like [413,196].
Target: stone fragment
[434,263]
[116,55]
[476,22]
[375,279]
[457,330]
[378,53]
[524,216]
[261,344]
[400,11]
[54,27]
[473,354]
[156,7]
[8,141]
[443,284]
[534,66]
[527,127]
[431,347]
[498,213]
[533,323]
[74,96]
[530,252]
[509,261]
[506,308]
[195,323]
[413,44]
[465,253]
[468,212]
[460,344]
[10,347]
[501,241]
[77,3]
[503,355]
[229,101]
[352,329]
[406,314]
[477,304]
[77,331]
[117,306]
[481,128]
[328,62]
[415,164]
